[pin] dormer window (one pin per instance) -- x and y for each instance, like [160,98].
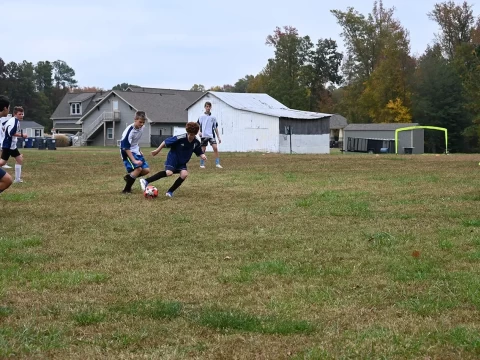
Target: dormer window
[76,109]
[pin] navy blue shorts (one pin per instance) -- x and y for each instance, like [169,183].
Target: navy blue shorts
[131,166]
[176,168]
[2,173]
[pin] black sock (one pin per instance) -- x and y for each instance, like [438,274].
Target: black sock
[157,176]
[128,186]
[176,184]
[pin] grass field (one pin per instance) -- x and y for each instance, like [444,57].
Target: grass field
[273,257]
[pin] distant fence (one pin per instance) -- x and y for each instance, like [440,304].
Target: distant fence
[156,140]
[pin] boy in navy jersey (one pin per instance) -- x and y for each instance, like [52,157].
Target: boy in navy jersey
[130,151]
[11,131]
[5,179]
[181,149]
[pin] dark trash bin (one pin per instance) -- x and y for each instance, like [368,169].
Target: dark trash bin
[29,143]
[408,150]
[51,144]
[41,143]
[20,143]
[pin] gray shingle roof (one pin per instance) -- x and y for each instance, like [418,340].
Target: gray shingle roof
[338,121]
[63,109]
[82,97]
[376,127]
[162,106]
[28,124]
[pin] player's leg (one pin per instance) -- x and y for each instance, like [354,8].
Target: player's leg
[4,157]
[183,175]
[18,165]
[215,151]
[203,143]
[133,171]
[5,180]
[145,171]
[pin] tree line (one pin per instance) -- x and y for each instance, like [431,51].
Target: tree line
[376,80]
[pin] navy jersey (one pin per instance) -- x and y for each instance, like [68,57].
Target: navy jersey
[130,139]
[208,124]
[10,128]
[181,149]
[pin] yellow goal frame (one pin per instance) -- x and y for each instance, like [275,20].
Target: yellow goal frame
[421,127]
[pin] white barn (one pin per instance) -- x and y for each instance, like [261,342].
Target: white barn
[258,122]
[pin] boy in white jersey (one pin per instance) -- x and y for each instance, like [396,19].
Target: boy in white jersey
[5,179]
[208,129]
[132,157]
[11,131]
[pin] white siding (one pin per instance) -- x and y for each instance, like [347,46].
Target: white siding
[240,130]
[305,144]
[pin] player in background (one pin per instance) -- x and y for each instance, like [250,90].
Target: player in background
[208,129]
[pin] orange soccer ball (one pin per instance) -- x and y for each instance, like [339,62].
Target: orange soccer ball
[150,192]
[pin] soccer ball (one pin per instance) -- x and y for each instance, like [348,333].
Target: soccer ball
[150,192]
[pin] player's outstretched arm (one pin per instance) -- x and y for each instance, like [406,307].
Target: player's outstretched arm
[157,150]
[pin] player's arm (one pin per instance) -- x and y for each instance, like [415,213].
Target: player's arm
[218,134]
[132,158]
[157,150]
[199,152]
[125,144]
[200,125]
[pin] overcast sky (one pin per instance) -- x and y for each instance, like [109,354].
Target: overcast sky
[175,44]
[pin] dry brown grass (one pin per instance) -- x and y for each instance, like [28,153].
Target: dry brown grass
[275,256]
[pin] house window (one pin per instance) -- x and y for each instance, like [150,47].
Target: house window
[76,109]
[110,133]
[38,132]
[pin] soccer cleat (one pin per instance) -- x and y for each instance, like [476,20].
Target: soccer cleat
[6,166]
[202,166]
[169,194]
[126,192]
[18,181]
[143,184]
[219,166]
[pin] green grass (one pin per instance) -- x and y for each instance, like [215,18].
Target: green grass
[275,256]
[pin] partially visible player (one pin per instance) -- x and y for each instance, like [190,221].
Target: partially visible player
[208,129]
[9,143]
[181,149]
[5,179]
[3,121]
[130,151]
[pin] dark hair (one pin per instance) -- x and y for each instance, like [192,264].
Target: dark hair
[192,128]
[208,103]
[18,109]
[4,102]
[140,115]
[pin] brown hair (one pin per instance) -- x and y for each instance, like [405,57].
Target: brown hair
[140,115]
[208,103]
[192,128]
[18,109]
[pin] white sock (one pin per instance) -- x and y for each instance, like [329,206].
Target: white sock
[18,172]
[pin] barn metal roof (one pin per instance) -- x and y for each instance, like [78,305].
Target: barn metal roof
[262,104]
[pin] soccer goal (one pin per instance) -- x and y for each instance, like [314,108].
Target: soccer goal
[421,127]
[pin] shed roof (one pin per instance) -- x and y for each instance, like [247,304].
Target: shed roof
[261,104]
[378,127]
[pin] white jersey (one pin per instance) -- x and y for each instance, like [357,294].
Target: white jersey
[208,124]
[12,127]
[3,121]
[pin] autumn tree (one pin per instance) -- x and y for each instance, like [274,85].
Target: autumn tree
[378,68]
